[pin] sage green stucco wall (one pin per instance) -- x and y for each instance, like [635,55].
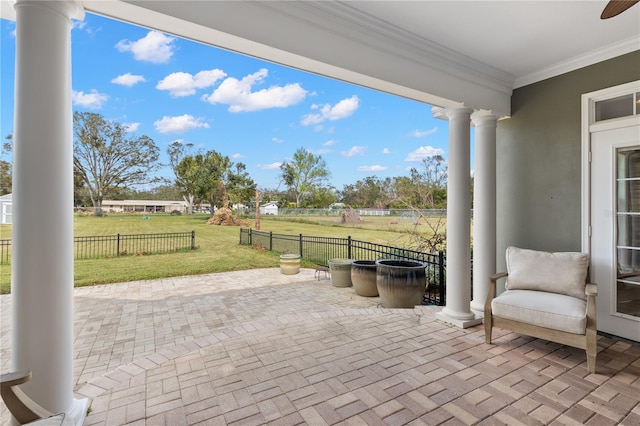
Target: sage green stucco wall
[539,158]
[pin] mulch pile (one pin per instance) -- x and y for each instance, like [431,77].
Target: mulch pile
[224,216]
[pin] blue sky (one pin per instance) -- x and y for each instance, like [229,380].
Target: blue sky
[250,110]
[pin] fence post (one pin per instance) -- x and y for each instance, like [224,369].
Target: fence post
[442,287]
[270,240]
[118,246]
[301,245]
[193,240]
[349,247]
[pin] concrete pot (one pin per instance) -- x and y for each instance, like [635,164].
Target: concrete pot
[363,277]
[289,264]
[401,283]
[340,272]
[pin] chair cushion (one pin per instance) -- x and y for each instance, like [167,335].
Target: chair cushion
[550,310]
[559,272]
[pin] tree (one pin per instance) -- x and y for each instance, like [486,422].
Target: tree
[107,159]
[213,177]
[370,192]
[425,187]
[240,187]
[322,198]
[176,151]
[304,174]
[6,175]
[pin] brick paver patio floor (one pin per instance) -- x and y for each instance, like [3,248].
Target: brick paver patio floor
[258,347]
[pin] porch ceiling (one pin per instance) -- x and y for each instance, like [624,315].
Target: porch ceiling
[440,52]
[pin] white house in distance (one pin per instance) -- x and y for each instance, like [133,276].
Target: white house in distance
[6,206]
[269,208]
[143,206]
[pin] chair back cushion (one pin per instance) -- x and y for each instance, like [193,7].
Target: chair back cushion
[558,272]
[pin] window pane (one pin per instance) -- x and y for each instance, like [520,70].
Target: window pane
[628,298]
[621,106]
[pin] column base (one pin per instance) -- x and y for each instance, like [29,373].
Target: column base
[458,322]
[78,411]
[477,309]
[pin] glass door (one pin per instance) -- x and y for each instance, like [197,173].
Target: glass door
[627,289]
[615,223]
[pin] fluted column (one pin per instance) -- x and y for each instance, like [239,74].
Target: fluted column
[484,209]
[42,258]
[457,310]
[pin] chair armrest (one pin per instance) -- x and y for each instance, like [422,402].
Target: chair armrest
[492,291]
[23,409]
[591,290]
[495,277]
[14,379]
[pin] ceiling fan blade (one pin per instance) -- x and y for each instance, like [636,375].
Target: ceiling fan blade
[616,7]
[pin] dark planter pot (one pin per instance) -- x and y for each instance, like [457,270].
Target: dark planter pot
[363,277]
[340,270]
[401,283]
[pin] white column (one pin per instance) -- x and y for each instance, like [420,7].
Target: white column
[457,310]
[42,259]
[484,209]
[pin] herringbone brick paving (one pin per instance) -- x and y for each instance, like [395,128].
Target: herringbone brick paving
[259,347]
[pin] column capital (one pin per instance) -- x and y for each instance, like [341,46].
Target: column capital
[462,112]
[71,9]
[447,113]
[484,118]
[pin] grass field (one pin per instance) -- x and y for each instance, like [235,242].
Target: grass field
[218,246]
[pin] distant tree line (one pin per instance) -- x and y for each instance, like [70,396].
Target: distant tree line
[109,163]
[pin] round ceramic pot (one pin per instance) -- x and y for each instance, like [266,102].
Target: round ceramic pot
[289,264]
[340,270]
[363,277]
[401,283]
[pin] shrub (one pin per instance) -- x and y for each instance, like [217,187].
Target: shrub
[176,213]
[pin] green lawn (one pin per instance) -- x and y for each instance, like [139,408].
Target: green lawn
[218,246]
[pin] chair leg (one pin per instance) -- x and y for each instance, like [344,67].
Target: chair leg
[488,326]
[592,350]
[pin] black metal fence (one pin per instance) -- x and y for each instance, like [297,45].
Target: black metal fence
[5,251]
[319,250]
[93,247]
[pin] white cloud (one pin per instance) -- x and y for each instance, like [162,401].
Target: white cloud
[374,168]
[237,156]
[131,127]
[353,151]
[277,140]
[128,79]
[179,124]
[77,24]
[423,133]
[93,100]
[330,142]
[386,151]
[184,84]
[155,47]
[342,109]
[272,166]
[238,95]
[422,153]
[323,151]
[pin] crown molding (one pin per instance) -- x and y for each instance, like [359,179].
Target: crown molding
[345,21]
[611,51]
